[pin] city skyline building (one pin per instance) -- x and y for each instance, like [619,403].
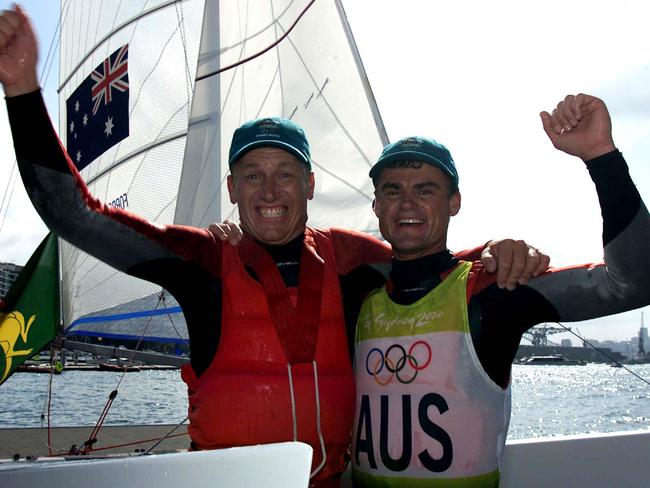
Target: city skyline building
[8,274]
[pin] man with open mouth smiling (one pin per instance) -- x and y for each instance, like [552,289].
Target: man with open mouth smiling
[272,179]
[434,346]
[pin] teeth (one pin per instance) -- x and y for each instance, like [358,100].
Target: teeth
[410,221]
[271,213]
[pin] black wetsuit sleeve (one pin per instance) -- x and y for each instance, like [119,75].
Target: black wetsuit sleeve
[358,258]
[622,282]
[183,260]
[576,293]
[355,286]
[60,196]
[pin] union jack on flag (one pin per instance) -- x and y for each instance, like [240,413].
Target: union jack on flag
[110,75]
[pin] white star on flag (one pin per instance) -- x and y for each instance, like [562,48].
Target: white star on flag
[109,126]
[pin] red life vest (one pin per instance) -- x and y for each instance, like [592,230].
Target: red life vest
[245,396]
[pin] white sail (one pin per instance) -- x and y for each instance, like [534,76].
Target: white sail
[141,173]
[313,76]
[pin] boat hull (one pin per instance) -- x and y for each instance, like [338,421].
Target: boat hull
[590,461]
[274,465]
[617,459]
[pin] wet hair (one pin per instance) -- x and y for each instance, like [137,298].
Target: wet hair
[415,164]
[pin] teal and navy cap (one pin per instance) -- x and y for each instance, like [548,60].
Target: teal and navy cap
[417,149]
[270,132]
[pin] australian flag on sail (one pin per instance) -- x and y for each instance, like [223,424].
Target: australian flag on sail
[98,110]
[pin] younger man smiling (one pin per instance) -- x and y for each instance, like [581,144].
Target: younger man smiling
[434,347]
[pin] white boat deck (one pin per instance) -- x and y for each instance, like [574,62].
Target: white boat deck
[618,460]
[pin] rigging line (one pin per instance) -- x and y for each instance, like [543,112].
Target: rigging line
[92,439]
[168,435]
[361,70]
[169,316]
[225,100]
[214,197]
[97,262]
[138,151]
[117,11]
[329,107]
[126,158]
[96,31]
[568,329]
[258,54]
[205,161]
[86,43]
[232,212]
[146,150]
[44,74]
[6,191]
[163,210]
[57,36]
[110,34]
[342,180]
[345,182]
[145,80]
[213,136]
[117,149]
[141,441]
[63,16]
[112,29]
[49,403]
[11,193]
[189,89]
[242,94]
[278,72]
[268,92]
[78,22]
[111,165]
[144,331]
[102,417]
[224,50]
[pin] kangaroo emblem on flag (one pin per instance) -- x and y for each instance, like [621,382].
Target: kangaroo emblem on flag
[12,327]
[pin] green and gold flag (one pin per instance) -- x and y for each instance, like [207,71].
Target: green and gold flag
[30,316]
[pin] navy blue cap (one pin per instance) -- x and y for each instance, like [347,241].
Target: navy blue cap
[270,132]
[417,149]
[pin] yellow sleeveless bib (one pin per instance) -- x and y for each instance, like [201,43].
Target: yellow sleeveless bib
[426,414]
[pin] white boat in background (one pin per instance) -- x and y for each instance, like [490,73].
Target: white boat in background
[551,360]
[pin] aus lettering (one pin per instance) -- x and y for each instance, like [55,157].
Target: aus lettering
[120,202]
[365,437]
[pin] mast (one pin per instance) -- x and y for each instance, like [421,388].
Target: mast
[201,174]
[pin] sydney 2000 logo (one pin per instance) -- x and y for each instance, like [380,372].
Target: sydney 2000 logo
[396,362]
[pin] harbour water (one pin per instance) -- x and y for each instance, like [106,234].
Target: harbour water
[546,400]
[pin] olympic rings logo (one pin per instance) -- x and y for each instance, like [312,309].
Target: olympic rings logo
[397,362]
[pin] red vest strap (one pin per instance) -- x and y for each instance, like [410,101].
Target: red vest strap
[297,330]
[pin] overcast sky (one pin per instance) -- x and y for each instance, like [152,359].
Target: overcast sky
[475,75]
